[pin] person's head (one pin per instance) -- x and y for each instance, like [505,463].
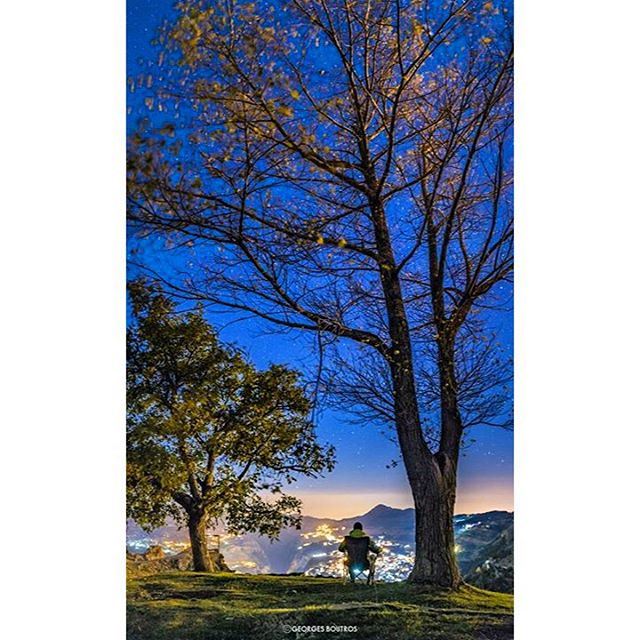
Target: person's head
[358,525]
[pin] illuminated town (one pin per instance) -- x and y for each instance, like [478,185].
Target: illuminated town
[320,548]
[313,550]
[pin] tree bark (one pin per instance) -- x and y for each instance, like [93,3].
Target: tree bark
[198,538]
[433,484]
[435,562]
[450,420]
[432,478]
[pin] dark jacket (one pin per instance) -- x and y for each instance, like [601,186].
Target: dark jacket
[359,533]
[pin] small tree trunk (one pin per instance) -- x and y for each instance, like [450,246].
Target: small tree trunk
[198,538]
[435,561]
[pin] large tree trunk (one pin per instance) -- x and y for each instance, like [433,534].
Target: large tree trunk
[432,477]
[433,484]
[198,538]
[436,562]
[435,545]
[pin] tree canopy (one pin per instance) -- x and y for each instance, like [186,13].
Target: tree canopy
[206,429]
[325,149]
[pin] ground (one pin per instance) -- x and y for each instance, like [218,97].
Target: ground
[225,606]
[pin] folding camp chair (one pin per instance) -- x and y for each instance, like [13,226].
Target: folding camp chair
[358,564]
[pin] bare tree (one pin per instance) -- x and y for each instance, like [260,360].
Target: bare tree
[360,380]
[344,168]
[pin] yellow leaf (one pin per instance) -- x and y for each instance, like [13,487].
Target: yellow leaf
[285,111]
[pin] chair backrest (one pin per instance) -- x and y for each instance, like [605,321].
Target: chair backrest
[357,549]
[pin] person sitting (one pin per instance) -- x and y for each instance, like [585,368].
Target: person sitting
[357,545]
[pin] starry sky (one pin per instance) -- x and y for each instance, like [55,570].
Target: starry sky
[362,477]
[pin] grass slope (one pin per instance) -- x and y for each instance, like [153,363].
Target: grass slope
[198,606]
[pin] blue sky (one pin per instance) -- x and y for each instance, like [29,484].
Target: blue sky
[362,477]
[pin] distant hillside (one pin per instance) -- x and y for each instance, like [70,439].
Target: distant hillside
[492,566]
[484,544]
[196,606]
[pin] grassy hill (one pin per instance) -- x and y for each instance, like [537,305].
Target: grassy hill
[197,606]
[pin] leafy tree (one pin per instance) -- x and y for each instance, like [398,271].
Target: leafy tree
[208,435]
[345,169]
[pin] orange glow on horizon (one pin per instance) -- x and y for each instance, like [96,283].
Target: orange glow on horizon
[340,505]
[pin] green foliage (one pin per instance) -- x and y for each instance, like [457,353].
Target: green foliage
[207,432]
[204,606]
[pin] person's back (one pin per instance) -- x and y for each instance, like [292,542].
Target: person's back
[357,545]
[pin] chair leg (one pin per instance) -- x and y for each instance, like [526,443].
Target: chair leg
[371,576]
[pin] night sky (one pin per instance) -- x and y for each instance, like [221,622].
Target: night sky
[361,478]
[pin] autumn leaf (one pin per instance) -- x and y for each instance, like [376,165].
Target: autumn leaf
[285,110]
